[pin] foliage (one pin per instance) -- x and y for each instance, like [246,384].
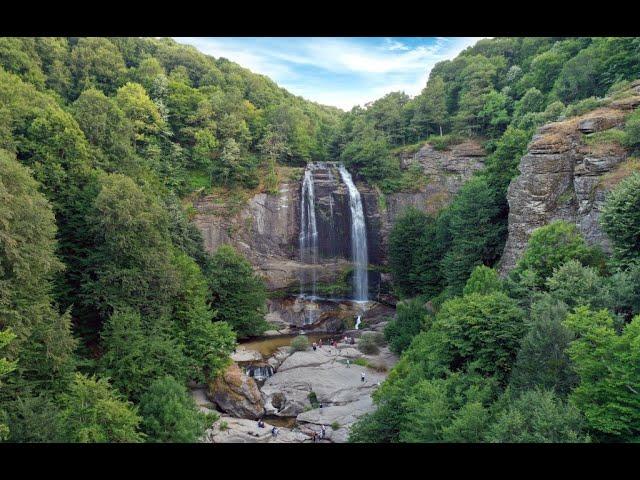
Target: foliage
[542,361]
[621,219]
[368,344]
[92,412]
[238,294]
[483,280]
[300,344]
[538,416]
[170,414]
[551,246]
[399,332]
[606,364]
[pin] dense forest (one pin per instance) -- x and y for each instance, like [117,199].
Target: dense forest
[548,353]
[102,274]
[110,306]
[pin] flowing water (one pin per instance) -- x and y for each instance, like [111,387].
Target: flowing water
[308,229]
[358,239]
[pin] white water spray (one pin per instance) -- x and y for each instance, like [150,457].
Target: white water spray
[358,239]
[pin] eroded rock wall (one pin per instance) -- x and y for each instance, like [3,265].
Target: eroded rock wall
[564,176]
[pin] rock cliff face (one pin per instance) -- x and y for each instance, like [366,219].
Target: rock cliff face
[266,229]
[566,173]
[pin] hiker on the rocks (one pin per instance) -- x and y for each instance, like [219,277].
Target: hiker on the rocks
[324,430]
[320,343]
[314,346]
[313,436]
[274,431]
[348,363]
[260,424]
[362,376]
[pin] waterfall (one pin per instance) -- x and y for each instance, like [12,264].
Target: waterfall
[358,239]
[259,372]
[308,228]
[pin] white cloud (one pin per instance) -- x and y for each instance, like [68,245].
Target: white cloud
[336,71]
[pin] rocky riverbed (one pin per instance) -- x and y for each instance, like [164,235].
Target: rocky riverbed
[308,389]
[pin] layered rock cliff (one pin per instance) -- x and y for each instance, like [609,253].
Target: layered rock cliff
[566,173]
[266,228]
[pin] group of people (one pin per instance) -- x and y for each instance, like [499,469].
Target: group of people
[317,437]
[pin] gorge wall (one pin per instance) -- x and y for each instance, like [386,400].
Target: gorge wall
[266,228]
[566,173]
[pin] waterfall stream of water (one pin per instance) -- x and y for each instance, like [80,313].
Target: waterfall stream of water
[308,228]
[359,253]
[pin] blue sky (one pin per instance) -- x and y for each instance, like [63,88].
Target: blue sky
[342,72]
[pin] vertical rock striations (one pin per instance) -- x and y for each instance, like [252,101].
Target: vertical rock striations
[566,173]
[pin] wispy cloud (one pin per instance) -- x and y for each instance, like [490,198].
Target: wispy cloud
[338,71]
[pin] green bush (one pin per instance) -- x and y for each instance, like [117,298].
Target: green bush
[632,130]
[584,106]
[300,344]
[368,344]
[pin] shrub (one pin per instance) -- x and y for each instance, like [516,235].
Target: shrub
[299,344]
[621,219]
[313,400]
[632,130]
[368,344]
[335,425]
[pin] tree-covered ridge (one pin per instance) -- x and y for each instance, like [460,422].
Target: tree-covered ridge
[109,304]
[545,354]
[497,83]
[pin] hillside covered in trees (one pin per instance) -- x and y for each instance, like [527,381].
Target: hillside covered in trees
[110,306]
[102,274]
[545,353]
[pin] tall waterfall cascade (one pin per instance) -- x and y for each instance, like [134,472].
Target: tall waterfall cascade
[330,236]
[359,252]
[308,228]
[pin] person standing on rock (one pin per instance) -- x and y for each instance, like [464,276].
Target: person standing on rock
[323,429]
[314,346]
[362,376]
[348,363]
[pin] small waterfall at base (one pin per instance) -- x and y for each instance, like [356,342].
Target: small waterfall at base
[358,239]
[308,238]
[259,372]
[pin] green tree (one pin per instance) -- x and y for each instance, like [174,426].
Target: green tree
[607,365]
[621,219]
[92,412]
[169,414]
[238,294]
[43,346]
[483,280]
[481,332]
[410,316]
[538,416]
[551,246]
[97,62]
[542,360]
[135,353]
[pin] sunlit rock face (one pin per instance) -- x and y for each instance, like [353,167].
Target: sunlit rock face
[565,177]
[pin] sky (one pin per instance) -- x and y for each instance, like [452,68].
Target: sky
[342,72]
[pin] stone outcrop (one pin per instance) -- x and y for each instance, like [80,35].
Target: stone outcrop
[236,394]
[239,430]
[563,176]
[325,373]
[446,171]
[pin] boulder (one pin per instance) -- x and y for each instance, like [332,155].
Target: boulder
[236,394]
